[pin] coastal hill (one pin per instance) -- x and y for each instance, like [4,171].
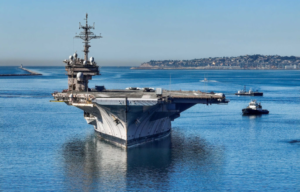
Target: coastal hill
[240,62]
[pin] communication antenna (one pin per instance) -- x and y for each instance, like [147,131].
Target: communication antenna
[73,42]
[86,35]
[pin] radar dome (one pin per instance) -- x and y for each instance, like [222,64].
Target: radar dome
[75,55]
[92,60]
[71,57]
[84,62]
[79,76]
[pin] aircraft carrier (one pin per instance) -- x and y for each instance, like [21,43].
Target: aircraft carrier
[127,117]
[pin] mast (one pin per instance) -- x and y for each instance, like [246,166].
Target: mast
[86,35]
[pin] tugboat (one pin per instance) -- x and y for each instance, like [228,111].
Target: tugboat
[249,93]
[254,108]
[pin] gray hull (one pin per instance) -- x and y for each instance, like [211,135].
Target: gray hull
[129,125]
[132,142]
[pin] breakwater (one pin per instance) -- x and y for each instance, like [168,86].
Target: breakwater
[31,73]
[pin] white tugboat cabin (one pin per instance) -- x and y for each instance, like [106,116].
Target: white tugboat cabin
[254,108]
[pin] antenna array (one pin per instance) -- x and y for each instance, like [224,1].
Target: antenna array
[87,35]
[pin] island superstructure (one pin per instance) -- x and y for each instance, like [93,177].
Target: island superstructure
[126,117]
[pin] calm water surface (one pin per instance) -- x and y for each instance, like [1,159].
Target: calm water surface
[49,146]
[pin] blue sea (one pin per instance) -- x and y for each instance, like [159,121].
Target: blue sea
[48,146]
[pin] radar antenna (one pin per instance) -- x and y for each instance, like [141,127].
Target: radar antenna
[87,35]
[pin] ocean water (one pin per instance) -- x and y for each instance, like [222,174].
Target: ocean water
[49,146]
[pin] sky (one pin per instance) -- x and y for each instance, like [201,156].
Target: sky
[135,31]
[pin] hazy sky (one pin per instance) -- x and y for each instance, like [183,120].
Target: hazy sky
[135,31]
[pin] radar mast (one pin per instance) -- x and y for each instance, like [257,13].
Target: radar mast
[87,35]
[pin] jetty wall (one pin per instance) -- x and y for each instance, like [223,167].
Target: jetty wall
[31,73]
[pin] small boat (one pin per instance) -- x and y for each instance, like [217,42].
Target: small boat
[249,93]
[254,108]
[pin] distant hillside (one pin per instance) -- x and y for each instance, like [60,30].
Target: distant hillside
[240,62]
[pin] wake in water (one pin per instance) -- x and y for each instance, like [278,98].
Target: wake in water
[208,81]
[24,96]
